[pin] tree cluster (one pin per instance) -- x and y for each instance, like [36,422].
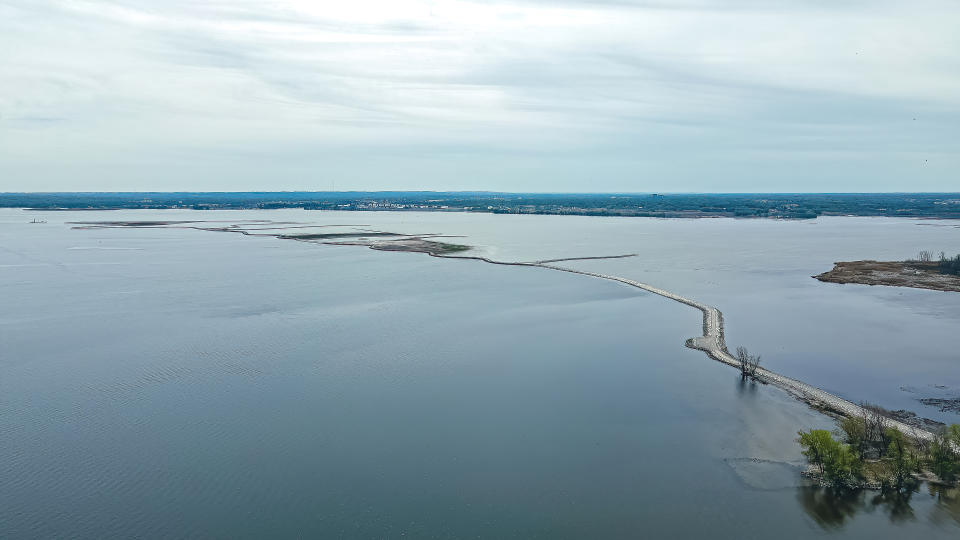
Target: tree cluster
[867,452]
[837,463]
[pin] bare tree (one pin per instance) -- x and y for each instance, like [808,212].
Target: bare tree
[924,256]
[748,363]
[875,426]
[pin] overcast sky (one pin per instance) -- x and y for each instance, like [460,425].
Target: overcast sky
[523,95]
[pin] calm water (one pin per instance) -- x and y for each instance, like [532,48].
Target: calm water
[180,383]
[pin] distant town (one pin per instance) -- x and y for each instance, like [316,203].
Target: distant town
[680,205]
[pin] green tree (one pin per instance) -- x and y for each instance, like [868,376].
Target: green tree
[836,461]
[842,465]
[953,434]
[855,434]
[900,460]
[817,444]
[943,452]
[941,458]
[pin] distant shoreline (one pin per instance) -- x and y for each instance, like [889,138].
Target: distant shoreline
[670,205]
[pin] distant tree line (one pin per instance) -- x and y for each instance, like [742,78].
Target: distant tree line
[747,205]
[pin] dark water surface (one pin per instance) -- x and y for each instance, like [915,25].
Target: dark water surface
[181,383]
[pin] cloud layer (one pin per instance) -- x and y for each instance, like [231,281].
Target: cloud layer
[520,96]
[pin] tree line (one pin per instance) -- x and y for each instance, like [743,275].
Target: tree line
[793,206]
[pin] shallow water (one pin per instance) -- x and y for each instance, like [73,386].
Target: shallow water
[193,384]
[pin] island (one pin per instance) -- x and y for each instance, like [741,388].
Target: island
[919,273]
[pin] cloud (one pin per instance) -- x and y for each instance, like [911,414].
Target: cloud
[643,95]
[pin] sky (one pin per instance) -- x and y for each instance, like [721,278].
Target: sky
[521,95]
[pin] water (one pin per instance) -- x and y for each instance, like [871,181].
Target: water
[181,383]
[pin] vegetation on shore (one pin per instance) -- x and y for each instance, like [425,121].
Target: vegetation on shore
[444,248]
[418,245]
[866,454]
